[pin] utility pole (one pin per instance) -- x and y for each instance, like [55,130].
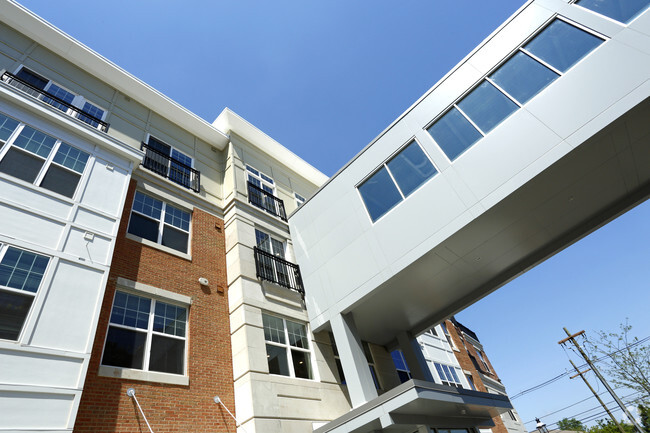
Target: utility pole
[581,374]
[572,339]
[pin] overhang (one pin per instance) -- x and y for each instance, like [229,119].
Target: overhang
[418,402]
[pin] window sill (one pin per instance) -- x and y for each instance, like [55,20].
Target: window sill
[147,376]
[159,247]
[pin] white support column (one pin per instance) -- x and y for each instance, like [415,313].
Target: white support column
[414,357]
[355,366]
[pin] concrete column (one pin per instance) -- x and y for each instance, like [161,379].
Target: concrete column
[414,357]
[355,366]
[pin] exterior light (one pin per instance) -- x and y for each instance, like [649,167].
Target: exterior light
[541,427]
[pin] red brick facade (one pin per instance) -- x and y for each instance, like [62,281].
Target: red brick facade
[466,352]
[104,406]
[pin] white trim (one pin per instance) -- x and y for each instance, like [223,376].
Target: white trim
[147,376]
[163,294]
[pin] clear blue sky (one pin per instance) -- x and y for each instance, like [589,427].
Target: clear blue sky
[324,78]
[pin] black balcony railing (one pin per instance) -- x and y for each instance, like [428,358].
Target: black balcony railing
[171,168]
[279,271]
[54,101]
[267,201]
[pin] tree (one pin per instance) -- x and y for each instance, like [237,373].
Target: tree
[644,414]
[570,424]
[623,357]
[608,426]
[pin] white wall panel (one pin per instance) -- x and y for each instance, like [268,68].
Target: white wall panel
[32,410]
[29,227]
[95,221]
[33,199]
[22,367]
[106,187]
[69,308]
[96,250]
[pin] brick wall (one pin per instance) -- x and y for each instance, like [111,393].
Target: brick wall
[465,350]
[104,406]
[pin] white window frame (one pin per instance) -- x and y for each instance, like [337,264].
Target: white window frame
[78,101]
[479,352]
[149,336]
[300,200]
[445,381]
[47,162]
[3,250]
[172,149]
[288,347]
[448,336]
[261,177]
[162,223]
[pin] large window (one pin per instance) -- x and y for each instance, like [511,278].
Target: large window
[449,375]
[274,270]
[619,10]
[85,111]
[146,334]
[287,347]
[160,222]
[21,274]
[400,365]
[527,72]
[396,179]
[35,157]
[171,163]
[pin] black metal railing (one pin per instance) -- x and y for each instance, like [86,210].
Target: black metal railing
[171,168]
[54,101]
[267,201]
[279,271]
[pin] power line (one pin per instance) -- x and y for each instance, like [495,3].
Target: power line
[602,412]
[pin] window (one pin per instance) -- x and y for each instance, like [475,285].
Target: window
[300,200]
[396,179]
[433,332]
[21,274]
[480,355]
[448,335]
[470,380]
[146,334]
[623,11]
[448,375]
[371,364]
[83,110]
[337,360]
[400,365]
[272,270]
[287,347]
[159,222]
[535,65]
[38,158]
[163,159]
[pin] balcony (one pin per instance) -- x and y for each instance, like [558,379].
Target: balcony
[171,168]
[278,271]
[266,201]
[55,101]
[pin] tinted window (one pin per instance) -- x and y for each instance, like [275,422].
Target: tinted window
[13,312]
[379,194]
[60,180]
[301,364]
[21,164]
[124,348]
[561,45]
[523,77]
[277,359]
[143,227]
[411,168]
[167,354]
[619,10]
[454,133]
[7,126]
[174,238]
[487,106]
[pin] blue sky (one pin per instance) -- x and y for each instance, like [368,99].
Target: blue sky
[325,78]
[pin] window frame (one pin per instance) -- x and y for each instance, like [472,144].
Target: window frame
[78,101]
[288,348]
[47,162]
[161,223]
[479,352]
[624,23]
[384,166]
[300,200]
[172,149]
[35,296]
[454,374]
[149,335]
[262,178]
[486,77]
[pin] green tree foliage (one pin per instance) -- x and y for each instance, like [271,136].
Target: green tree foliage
[570,424]
[644,414]
[624,358]
[608,426]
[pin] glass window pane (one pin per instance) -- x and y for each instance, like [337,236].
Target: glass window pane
[561,45]
[170,319]
[21,165]
[619,10]
[35,141]
[297,335]
[174,238]
[144,227]
[93,111]
[147,205]
[60,180]
[60,93]
[7,126]
[454,133]
[71,157]
[273,329]
[177,218]
[411,168]
[277,359]
[33,79]
[22,270]
[159,146]
[167,355]
[14,309]
[130,310]
[379,194]
[523,77]
[398,360]
[301,364]
[124,348]
[487,106]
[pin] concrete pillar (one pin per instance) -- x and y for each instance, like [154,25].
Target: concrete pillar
[361,387]
[414,357]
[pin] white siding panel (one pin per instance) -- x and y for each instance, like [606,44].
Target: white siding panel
[105,188]
[28,198]
[96,250]
[31,368]
[29,227]
[95,221]
[31,410]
